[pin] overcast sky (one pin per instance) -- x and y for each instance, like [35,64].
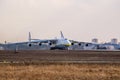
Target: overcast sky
[79,20]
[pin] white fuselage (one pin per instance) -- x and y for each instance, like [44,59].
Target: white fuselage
[64,42]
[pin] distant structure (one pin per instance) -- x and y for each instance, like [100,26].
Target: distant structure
[114,41]
[95,40]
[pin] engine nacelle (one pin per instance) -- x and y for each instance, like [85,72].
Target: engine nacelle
[79,44]
[50,43]
[86,44]
[72,43]
[29,44]
[40,44]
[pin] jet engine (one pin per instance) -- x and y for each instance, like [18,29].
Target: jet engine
[79,44]
[40,44]
[50,43]
[72,43]
[29,44]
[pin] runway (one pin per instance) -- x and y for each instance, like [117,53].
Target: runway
[60,56]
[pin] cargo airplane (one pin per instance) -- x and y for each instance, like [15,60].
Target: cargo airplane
[61,43]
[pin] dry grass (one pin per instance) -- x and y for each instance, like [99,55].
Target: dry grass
[60,72]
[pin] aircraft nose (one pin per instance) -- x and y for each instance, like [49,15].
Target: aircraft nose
[68,44]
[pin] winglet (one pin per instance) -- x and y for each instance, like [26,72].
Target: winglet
[62,36]
[29,38]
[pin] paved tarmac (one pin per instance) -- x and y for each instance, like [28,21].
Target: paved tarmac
[60,56]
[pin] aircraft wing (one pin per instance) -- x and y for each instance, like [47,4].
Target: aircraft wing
[53,41]
[17,43]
